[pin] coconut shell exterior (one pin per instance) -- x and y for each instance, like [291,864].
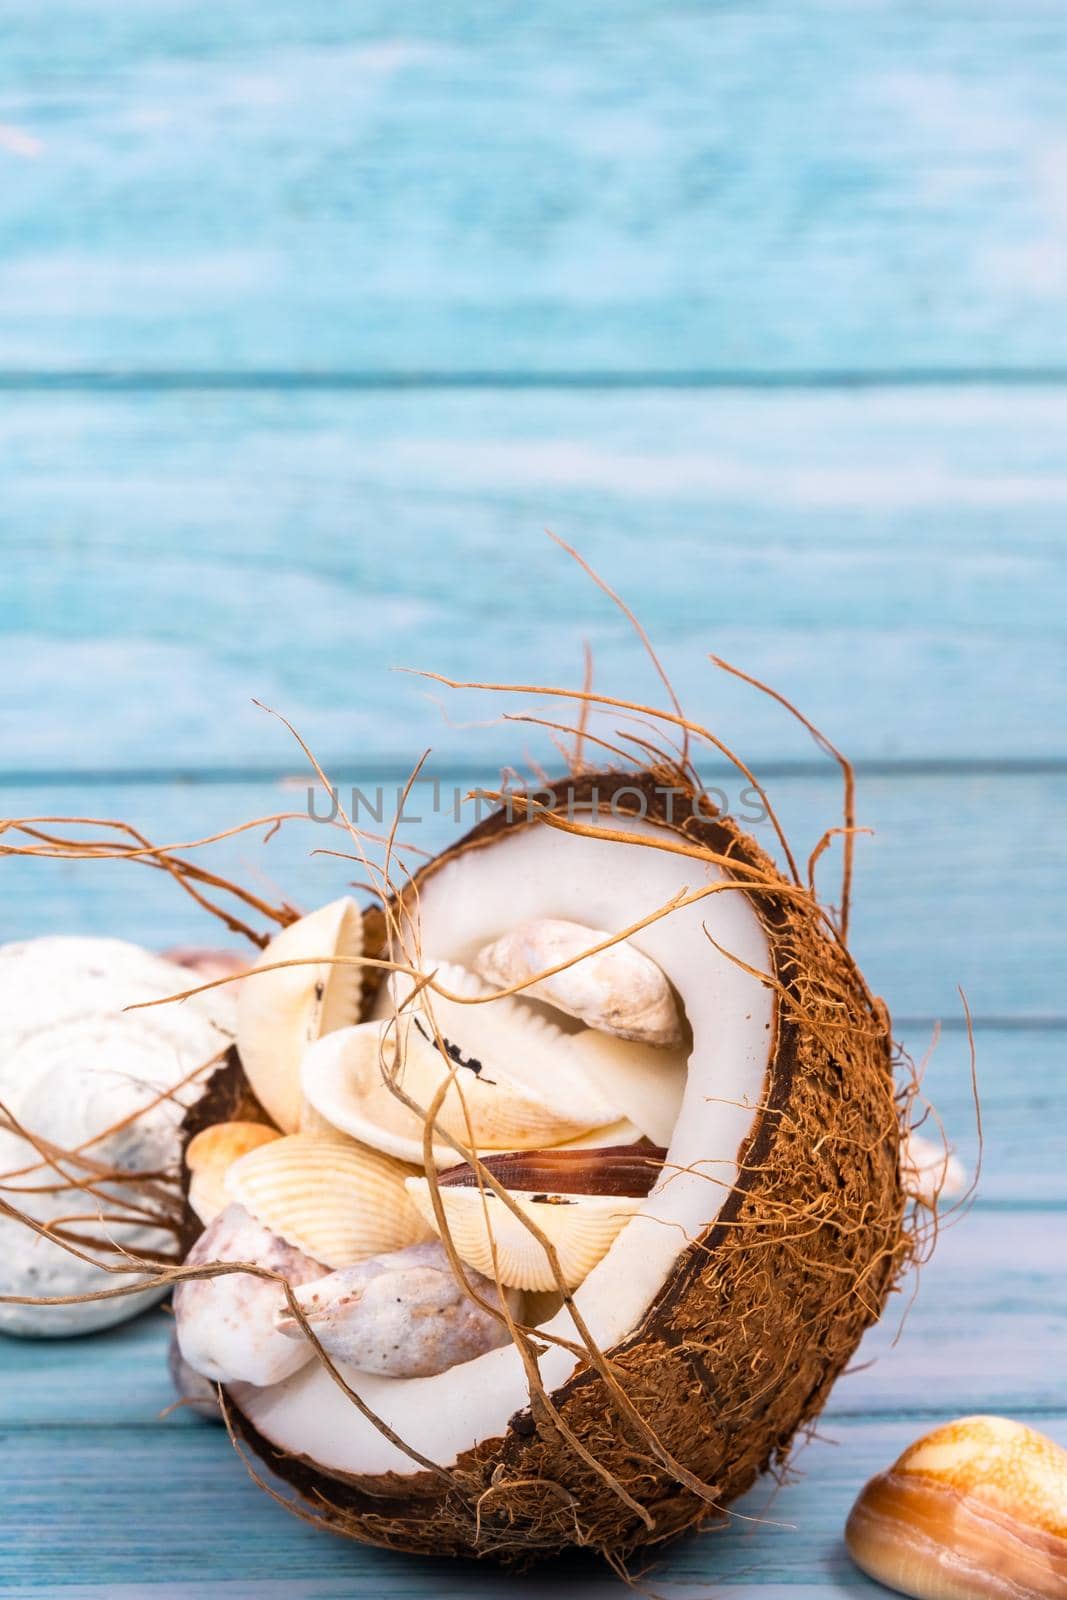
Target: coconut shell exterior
[744,1341]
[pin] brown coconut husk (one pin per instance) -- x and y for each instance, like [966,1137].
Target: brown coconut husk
[743,1343]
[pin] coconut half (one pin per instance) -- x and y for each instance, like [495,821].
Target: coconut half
[738,1289]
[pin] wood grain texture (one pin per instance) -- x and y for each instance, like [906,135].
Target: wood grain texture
[893,561]
[170,1508]
[959,884]
[400,187]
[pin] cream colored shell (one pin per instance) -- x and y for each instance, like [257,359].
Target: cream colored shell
[347,1076]
[645,1082]
[281,1010]
[332,1198]
[580,1227]
[211,1153]
[507,1038]
[617,989]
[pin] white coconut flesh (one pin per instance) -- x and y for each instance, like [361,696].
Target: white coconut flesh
[535,871]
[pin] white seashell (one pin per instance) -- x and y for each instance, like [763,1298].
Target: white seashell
[929,1172]
[505,1037]
[210,1154]
[346,1077]
[73,1065]
[580,1227]
[618,990]
[194,1392]
[281,1012]
[401,1315]
[332,1198]
[225,1325]
[646,1082]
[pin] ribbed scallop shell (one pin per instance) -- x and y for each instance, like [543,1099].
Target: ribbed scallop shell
[344,1079]
[331,1198]
[644,1081]
[281,1012]
[209,1156]
[580,1227]
[618,989]
[508,1036]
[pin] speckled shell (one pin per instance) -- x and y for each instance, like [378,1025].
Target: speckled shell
[281,1012]
[618,990]
[332,1198]
[580,1227]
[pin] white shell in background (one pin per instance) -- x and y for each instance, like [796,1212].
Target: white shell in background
[646,1082]
[225,1325]
[929,1172]
[73,1065]
[618,989]
[579,1226]
[401,1315]
[332,1198]
[211,1153]
[505,1037]
[344,1079]
[281,1012]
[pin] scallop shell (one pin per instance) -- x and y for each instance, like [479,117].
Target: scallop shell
[344,1078]
[331,1198]
[618,990]
[504,1037]
[581,1227]
[80,1071]
[210,1154]
[281,1012]
[646,1082]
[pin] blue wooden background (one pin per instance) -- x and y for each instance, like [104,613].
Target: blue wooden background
[312,317]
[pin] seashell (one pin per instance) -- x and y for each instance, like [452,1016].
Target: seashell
[81,1073]
[618,990]
[345,1078]
[225,1325]
[929,1172]
[210,1154]
[977,1508]
[630,1169]
[209,965]
[401,1315]
[580,1227]
[194,1393]
[332,1198]
[646,1082]
[505,1037]
[281,1012]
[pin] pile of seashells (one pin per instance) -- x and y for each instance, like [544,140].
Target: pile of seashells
[567,1091]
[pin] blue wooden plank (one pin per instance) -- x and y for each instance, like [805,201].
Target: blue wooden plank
[151,1507]
[959,885]
[985,1328]
[407,186]
[892,561]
